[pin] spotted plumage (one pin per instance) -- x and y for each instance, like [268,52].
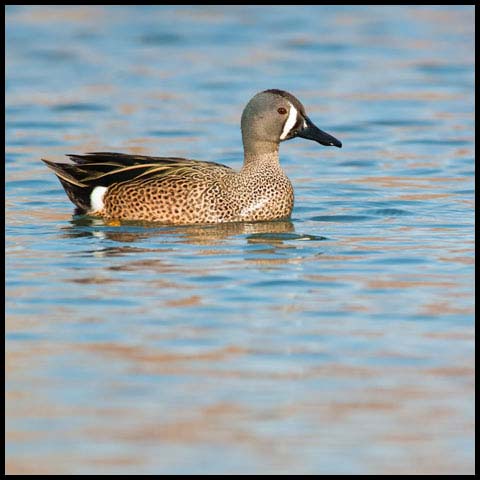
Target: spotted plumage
[182,191]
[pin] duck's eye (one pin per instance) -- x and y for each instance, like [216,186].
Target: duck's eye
[282,111]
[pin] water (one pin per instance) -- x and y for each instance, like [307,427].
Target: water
[338,342]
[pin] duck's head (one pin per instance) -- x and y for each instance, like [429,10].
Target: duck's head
[273,116]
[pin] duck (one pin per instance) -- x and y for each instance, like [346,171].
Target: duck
[173,190]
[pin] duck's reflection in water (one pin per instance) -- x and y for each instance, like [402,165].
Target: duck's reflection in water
[135,233]
[168,248]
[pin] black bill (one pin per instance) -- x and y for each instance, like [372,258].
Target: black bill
[311,132]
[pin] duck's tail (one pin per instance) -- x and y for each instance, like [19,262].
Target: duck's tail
[70,177]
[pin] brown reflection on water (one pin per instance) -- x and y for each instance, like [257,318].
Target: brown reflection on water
[445,307]
[148,359]
[400,182]
[208,234]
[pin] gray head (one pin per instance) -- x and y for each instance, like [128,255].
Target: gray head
[273,116]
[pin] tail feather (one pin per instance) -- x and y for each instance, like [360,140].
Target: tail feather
[78,192]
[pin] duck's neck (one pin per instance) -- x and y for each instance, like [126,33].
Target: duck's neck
[264,155]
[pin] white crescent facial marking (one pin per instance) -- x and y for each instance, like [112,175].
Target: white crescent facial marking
[291,120]
[96,198]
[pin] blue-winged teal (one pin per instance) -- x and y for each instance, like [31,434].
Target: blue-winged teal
[182,191]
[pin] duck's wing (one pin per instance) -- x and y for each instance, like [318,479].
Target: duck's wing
[106,168]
